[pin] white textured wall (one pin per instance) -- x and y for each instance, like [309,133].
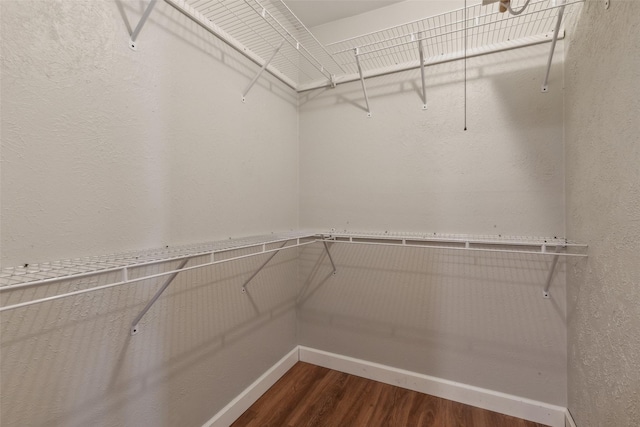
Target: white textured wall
[475,319]
[603,210]
[104,150]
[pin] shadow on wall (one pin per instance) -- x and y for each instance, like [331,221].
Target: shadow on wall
[182,28]
[476,318]
[522,69]
[72,362]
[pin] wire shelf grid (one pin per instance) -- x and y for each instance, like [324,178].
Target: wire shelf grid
[261,26]
[444,35]
[80,267]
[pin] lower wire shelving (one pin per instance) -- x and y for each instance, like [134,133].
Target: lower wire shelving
[120,266]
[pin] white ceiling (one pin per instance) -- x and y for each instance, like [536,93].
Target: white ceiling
[318,12]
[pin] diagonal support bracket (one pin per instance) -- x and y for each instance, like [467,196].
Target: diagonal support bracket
[326,248]
[134,325]
[364,87]
[545,84]
[424,88]
[244,285]
[545,292]
[143,20]
[264,67]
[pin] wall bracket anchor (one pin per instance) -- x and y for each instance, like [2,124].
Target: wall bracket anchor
[545,291]
[364,87]
[143,20]
[244,285]
[326,248]
[134,325]
[264,67]
[556,34]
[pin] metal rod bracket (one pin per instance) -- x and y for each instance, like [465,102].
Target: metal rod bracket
[545,291]
[364,87]
[326,248]
[264,67]
[244,285]
[545,84]
[143,20]
[134,325]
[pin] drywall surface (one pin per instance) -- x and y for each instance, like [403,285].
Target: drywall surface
[475,319]
[408,169]
[469,317]
[603,210]
[105,149]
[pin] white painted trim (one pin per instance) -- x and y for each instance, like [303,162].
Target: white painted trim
[251,394]
[569,422]
[503,403]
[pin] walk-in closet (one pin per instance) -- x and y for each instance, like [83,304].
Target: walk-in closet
[320,212]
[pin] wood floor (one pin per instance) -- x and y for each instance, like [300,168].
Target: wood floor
[309,395]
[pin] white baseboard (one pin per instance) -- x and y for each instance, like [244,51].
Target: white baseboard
[569,422]
[531,410]
[503,403]
[251,394]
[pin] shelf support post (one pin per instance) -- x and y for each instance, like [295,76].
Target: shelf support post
[244,285]
[143,20]
[545,292]
[134,324]
[326,248]
[424,89]
[264,67]
[364,87]
[545,84]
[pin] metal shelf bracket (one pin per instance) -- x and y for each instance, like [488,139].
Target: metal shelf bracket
[545,84]
[264,67]
[364,87]
[554,262]
[424,89]
[143,20]
[326,248]
[244,285]
[134,325]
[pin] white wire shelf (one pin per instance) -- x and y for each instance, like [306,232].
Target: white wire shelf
[257,28]
[269,33]
[443,36]
[120,265]
[548,246]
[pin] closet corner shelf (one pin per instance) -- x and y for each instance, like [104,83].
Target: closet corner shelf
[125,268]
[268,33]
[465,242]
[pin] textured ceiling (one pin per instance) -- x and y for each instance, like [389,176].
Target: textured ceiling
[318,12]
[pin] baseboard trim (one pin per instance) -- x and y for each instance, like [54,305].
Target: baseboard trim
[503,403]
[569,421]
[227,415]
[527,409]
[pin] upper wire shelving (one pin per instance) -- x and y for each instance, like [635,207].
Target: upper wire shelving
[270,34]
[443,36]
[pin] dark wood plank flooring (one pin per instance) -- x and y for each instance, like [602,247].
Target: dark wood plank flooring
[310,395]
